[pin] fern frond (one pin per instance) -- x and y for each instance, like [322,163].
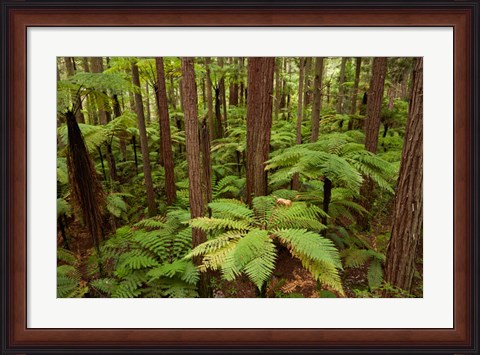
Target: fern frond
[311,245]
[212,224]
[298,215]
[254,254]
[224,208]
[66,256]
[106,285]
[215,244]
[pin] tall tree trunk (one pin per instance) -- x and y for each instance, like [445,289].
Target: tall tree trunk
[233,97]
[374,103]
[278,87]
[218,114]
[147,171]
[76,99]
[259,123]
[283,99]
[372,126]
[103,113]
[206,163]
[209,99]
[306,87]
[197,207]
[223,93]
[301,94]
[117,112]
[341,87]
[241,86]
[353,108]
[408,212]
[317,98]
[166,140]
[147,103]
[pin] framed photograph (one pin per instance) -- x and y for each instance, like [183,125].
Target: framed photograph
[230,176]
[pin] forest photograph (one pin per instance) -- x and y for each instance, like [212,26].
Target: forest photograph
[239,177]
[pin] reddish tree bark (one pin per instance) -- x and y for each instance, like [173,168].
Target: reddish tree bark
[165,135]
[197,206]
[353,108]
[317,98]
[301,101]
[374,103]
[259,123]
[147,170]
[408,212]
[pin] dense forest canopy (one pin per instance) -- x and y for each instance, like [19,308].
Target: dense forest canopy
[239,177]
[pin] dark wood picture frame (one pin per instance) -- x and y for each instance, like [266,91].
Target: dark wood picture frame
[17,16]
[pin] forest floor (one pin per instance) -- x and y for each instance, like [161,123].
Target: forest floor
[290,278]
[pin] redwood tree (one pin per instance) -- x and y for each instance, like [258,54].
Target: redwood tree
[408,213]
[259,123]
[372,126]
[353,106]
[165,136]
[341,87]
[374,103]
[301,95]
[103,113]
[76,99]
[192,142]
[317,98]
[147,170]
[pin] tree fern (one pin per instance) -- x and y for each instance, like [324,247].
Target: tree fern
[248,248]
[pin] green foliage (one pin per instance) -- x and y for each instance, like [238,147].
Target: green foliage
[145,260]
[244,240]
[69,278]
[153,257]
[337,157]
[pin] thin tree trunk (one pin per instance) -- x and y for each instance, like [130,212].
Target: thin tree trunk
[341,87]
[283,99]
[233,97]
[218,114]
[341,90]
[306,86]
[134,145]
[374,103]
[206,163]
[278,87]
[301,94]
[372,126]
[76,99]
[241,86]
[211,125]
[112,167]
[317,98]
[147,171]
[223,94]
[353,108]
[166,140]
[103,115]
[197,207]
[408,213]
[259,123]
[117,113]
[147,102]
